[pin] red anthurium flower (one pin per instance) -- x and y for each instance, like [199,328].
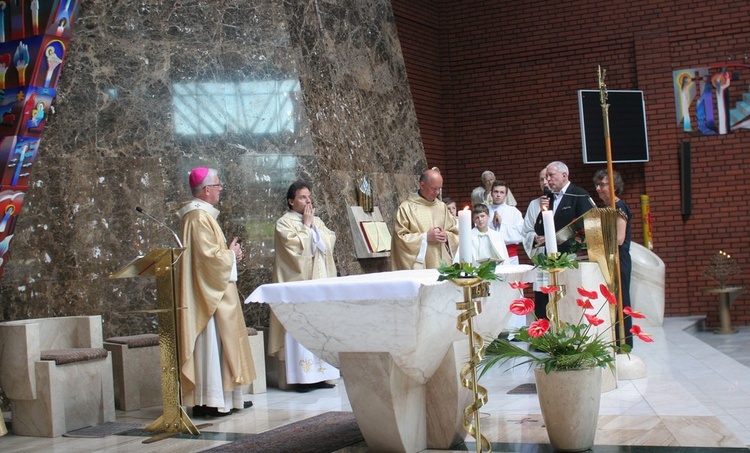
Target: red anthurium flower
[607,295]
[585,304]
[522,306]
[633,314]
[549,289]
[588,294]
[593,319]
[636,330]
[538,328]
[519,285]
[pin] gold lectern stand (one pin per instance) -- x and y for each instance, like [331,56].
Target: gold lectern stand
[160,263]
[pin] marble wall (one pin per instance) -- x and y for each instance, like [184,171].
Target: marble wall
[266,91]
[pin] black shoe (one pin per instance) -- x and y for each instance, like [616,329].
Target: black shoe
[303,388]
[205,411]
[245,405]
[324,385]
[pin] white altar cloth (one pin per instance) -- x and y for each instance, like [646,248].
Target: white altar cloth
[394,337]
[406,313]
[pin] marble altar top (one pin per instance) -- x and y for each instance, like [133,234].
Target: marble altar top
[406,313]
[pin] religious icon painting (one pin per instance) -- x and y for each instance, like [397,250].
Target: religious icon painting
[49,62]
[60,24]
[11,201]
[23,110]
[21,19]
[17,156]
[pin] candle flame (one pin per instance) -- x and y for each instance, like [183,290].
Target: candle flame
[466,208]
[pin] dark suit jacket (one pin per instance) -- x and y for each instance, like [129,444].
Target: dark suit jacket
[575,203]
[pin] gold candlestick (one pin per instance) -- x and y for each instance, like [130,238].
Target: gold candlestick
[473,289]
[553,311]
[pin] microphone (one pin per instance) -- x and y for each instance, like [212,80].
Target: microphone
[160,223]
[549,194]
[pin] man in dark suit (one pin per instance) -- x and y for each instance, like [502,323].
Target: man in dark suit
[569,202]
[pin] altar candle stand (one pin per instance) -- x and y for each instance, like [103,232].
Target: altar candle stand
[473,289]
[550,243]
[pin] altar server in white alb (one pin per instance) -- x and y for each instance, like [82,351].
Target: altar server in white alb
[508,221]
[486,243]
[304,251]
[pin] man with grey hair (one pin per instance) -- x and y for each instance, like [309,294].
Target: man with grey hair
[214,354]
[483,193]
[569,203]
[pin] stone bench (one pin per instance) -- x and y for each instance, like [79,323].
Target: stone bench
[56,374]
[257,348]
[136,370]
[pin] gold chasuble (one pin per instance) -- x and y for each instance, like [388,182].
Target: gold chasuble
[204,290]
[297,258]
[415,216]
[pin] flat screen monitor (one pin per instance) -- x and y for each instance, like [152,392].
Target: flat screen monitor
[627,126]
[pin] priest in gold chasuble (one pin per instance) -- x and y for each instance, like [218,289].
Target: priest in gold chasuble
[303,251]
[424,231]
[214,352]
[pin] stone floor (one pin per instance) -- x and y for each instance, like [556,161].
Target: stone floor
[695,398]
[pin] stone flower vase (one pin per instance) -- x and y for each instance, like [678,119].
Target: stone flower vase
[569,401]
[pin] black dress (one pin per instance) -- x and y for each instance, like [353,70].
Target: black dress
[626,267]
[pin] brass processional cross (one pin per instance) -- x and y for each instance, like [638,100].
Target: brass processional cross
[602,73]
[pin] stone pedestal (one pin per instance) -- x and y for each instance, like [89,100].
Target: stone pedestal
[726,297]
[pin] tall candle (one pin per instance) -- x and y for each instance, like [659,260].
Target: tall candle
[550,239]
[464,235]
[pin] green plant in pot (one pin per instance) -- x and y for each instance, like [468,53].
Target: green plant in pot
[567,358]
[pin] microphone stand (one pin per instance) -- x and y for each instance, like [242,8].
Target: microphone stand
[160,223]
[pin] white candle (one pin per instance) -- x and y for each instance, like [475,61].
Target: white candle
[550,240]
[464,235]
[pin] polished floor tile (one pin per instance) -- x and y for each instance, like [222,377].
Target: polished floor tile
[694,399]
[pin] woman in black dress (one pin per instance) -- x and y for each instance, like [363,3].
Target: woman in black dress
[601,182]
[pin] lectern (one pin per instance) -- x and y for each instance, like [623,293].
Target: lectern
[160,264]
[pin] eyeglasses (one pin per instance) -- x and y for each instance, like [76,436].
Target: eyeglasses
[601,184]
[214,185]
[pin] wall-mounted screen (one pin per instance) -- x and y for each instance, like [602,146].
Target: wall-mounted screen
[627,126]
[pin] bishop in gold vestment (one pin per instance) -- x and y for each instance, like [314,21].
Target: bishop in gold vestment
[214,352]
[424,230]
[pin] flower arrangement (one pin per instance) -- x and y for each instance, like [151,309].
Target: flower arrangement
[485,271]
[562,345]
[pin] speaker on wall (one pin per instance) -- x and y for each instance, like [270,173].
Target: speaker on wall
[627,126]
[686,205]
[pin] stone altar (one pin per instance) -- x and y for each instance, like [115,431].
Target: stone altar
[394,337]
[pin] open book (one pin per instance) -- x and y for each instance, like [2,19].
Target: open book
[376,235]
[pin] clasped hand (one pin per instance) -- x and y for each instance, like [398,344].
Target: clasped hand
[436,234]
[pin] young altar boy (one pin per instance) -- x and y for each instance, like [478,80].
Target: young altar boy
[486,244]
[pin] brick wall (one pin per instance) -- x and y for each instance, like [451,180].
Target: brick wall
[495,87]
